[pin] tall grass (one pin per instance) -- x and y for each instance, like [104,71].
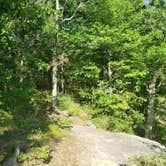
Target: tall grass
[67,103]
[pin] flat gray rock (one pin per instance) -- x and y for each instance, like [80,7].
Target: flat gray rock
[106,148]
[88,146]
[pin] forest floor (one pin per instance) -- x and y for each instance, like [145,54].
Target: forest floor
[89,146]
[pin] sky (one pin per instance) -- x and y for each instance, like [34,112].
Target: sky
[147,2]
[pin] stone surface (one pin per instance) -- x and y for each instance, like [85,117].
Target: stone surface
[89,146]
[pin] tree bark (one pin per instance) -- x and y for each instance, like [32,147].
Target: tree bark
[55,65]
[21,70]
[55,85]
[110,72]
[152,90]
[62,81]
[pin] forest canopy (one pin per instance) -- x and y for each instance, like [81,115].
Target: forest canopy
[107,54]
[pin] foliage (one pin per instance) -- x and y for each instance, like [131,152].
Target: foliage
[66,102]
[120,109]
[40,153]
[108,53]
[5,118]
[65,122]
[2,157]
[160,120]
[101,122]
[128,43]
[148,160]
[55,132]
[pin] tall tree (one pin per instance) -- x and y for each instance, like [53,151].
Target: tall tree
[54,60]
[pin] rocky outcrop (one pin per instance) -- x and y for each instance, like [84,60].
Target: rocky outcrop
[89,146]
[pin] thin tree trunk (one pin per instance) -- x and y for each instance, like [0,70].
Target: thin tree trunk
[55,85]
[62,81]
[150,109]
[150,117]
[110,72]
[55,65]
[21,70]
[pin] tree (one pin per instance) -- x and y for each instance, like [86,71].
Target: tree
[60,20]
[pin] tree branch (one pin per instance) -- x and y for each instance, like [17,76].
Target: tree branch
[73,15]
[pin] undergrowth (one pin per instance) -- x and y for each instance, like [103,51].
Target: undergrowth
[67,103]
[35,135]
[148,160]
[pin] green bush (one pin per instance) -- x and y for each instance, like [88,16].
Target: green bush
[102,122]
[2,157]
[148,160]
[65,102]
[64,122]
[40,103]
[159,128]
[54,131]
[5,118]
[31,125]
[121,109]
[39,153]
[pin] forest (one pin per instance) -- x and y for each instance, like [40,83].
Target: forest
[104,57]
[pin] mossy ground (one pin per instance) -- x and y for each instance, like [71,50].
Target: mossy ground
[35,137]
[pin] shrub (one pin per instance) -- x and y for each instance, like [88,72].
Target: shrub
[64,122]
[54,131]
[5,118]
[39,153]
[102,122]
[122,110]
[148,160]
[65,102]
[2,157]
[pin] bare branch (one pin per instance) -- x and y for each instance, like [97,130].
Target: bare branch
[73,15]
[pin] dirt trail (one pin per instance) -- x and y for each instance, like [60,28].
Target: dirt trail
[89,146]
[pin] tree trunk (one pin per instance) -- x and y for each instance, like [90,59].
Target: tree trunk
[62,81]
[110,72]
[54,88]
[55,65]
[150,109]
[21,70]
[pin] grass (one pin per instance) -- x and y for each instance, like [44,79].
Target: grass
[64,123]
[38,147]
[101,122]
[54,131]
[84,112]
[66,102]
[148,160]
[35,136]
